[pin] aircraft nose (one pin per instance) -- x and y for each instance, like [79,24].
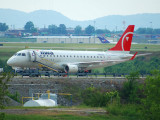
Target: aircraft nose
[10,62]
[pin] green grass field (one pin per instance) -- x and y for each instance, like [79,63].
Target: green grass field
[95,47]
[65,117]
[113,112]
[16,40]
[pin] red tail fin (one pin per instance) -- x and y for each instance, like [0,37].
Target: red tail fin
[124,43]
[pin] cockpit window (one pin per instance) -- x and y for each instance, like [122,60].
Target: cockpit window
[23,54]
[19,54]
[15,54]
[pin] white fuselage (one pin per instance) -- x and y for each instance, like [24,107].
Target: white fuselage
[58,60]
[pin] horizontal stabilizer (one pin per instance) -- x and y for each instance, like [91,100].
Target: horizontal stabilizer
[133,56]
[144,54]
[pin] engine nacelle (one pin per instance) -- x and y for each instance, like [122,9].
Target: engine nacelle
[71,68]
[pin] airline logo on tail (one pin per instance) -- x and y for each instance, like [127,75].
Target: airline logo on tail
[124,43]
[103,40]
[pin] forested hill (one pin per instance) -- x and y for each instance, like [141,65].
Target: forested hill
[43,18]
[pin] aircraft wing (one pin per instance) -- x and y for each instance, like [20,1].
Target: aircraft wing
[108,62]
[144,54]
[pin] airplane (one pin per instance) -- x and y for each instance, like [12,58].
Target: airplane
[104,40]
[75,61]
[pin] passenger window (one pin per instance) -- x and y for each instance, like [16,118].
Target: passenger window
[19,54]
[23,54]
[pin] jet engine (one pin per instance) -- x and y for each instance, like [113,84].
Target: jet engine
[71,68]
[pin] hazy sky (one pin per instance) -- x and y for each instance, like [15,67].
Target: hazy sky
[85,9]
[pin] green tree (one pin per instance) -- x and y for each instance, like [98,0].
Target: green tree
[156,31]
[3,27]
[93,97]
[130,88]
[3,64]
[62,29]
[144,31]
[89,30]
[96,98]
[151,102]
[29,26]
[4,78]
[149,31]
[100,31]
[34,30]
[78,30]
[53,29]
[141,30]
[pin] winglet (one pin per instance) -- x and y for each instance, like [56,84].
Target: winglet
[133,56]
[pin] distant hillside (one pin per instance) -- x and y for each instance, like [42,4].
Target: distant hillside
[43,18]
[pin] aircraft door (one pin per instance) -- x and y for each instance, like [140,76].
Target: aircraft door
[33,56]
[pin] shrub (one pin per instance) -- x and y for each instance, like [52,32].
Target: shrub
[151,102]
[130,110]
[96,98]
[130,89]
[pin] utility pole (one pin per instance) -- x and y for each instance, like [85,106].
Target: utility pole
[94,30]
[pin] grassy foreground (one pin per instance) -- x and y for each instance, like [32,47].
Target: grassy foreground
[114,112]
[66,117]
[52,117]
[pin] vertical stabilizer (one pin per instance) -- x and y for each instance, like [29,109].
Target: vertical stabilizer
[103,40]
[124,43]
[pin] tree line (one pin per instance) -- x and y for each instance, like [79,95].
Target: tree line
[141,64]
[62,29]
